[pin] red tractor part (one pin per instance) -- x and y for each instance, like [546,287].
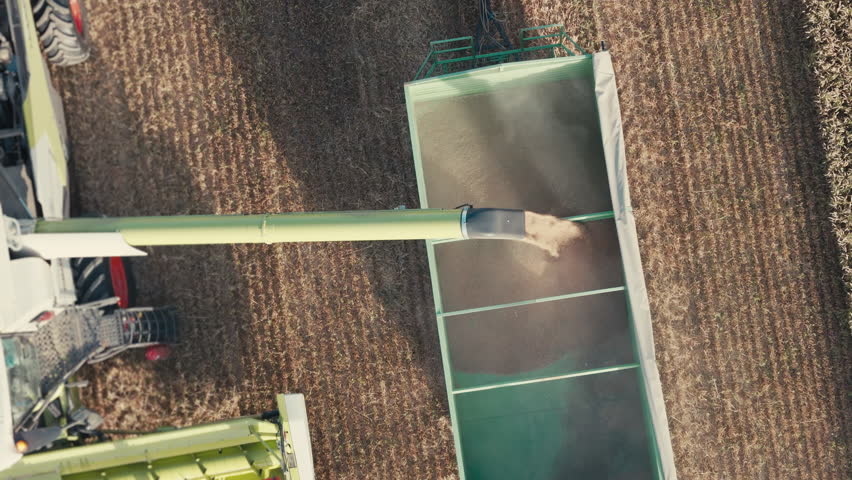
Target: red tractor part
[77,16]
[118,279]
[158,352]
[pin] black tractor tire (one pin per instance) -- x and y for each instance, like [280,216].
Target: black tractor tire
[63,39]
[92,279]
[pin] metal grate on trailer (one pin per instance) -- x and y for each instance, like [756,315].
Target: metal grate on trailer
[462,53]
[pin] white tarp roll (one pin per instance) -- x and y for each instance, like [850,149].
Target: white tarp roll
[609,113]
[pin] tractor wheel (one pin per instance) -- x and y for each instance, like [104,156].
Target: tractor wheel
[63,27]
[101,277]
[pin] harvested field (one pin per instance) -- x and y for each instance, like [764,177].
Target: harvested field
[222,106]
[828,28]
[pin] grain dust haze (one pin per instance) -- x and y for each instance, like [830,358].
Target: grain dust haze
[550,233]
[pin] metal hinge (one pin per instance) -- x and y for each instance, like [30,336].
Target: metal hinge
[15,229]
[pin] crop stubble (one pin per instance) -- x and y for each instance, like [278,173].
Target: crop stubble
[191,107]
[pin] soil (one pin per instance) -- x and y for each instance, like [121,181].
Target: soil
[246,107]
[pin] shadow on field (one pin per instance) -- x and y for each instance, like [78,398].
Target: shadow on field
[328,77]
[809,174]
[120,170]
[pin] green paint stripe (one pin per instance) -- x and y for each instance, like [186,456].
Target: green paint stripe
[530,302]
[583,373]
[451,40]
[589,217]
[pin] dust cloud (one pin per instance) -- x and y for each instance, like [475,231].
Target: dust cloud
[550,233]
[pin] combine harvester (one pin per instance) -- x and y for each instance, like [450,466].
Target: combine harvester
[546,340]
[58,313]
[274,445]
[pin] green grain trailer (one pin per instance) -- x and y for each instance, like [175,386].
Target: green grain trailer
[549,363]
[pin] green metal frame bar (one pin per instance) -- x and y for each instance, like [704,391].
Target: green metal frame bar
[440,51]
[580,373]
[530,302]
[560,35]
[435,63]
